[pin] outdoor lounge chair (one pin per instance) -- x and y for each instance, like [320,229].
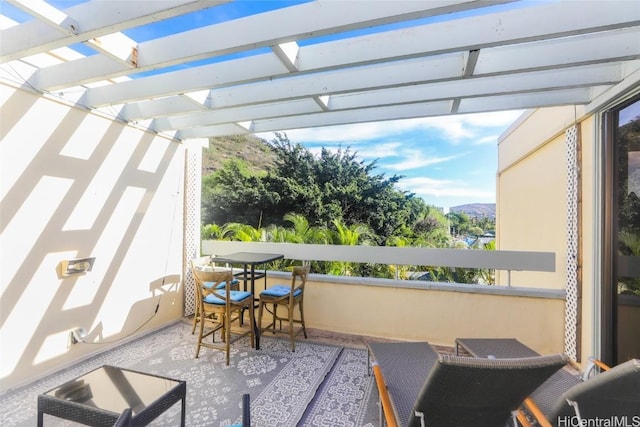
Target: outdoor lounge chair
[548,402]
[611,395]
[124,420]
[454,390]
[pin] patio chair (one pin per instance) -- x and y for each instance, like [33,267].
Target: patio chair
[288,296]
[200,268]
[219,307]
[246,411]
[460,391]
[539,405]
[124,420]
[614,393]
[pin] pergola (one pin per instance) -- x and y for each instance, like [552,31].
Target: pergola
[318,63]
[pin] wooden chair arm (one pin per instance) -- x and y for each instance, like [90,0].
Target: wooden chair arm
[600,364]
[534,410]
[522,420]
[384,397]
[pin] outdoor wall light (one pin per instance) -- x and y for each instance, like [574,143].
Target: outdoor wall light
[76,266]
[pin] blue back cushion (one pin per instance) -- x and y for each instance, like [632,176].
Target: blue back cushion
[280,291]
[222,285]
[235,296]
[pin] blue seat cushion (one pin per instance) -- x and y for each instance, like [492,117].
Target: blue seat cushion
[280,291]
[236,296]
[222,285]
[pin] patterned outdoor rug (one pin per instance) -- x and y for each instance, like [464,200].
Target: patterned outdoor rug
[281,383]
[347,397]
[320,384]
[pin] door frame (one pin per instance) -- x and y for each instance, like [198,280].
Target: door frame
[609,266]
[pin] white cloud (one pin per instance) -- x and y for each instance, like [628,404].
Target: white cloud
[377,151]
[415,159]
[455,128]
[429,187]
[489,139]
[396,141]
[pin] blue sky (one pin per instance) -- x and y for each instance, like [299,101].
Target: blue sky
[448,161]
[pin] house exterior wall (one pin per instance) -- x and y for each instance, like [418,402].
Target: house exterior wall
[74,185]
[532,203]
[531,211]
[437,316]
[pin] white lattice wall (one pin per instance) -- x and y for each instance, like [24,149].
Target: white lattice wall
[192,194]
[573,288]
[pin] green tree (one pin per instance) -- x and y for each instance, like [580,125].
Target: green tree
[333,185]
[431,229]
[234,194]
[354,234]
[244,232]
[459,222]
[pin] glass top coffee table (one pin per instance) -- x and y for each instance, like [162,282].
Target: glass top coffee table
[99,397]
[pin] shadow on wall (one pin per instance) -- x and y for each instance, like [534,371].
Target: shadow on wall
[74,186]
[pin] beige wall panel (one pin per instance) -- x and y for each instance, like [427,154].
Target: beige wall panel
[532,212]
[434,316]
[533,173]
[532,131]
[78,185]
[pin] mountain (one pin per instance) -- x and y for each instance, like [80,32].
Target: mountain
[255,151]
[476,210]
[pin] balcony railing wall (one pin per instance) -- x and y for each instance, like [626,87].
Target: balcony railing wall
[420,310]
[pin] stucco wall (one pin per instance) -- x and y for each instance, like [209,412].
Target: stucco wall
[75,184]
[532,201]
[436,316]
[532,211]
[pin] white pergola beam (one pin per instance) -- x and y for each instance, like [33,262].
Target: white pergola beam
[95,18]
[439,69]
[606,46]
[117,46]
[440,108]
[240,114]
[374,114]
[481,87]
[623,42]
[287,53]
[492,85]
[575,96]
[48,14]
[480,33]
[527,56]
[365,78]
[178,104]
[280,26]
[446,67]
[212,131]
[473,33]
[322,101]
[220,74]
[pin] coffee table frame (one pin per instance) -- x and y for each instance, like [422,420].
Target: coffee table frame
[98,417]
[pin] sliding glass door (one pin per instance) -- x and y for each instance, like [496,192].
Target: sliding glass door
[621,281]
